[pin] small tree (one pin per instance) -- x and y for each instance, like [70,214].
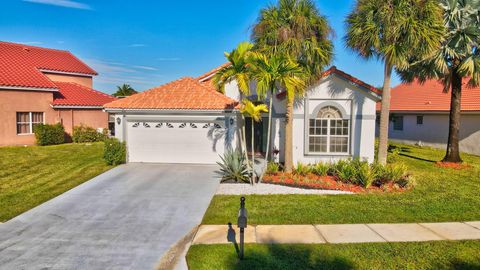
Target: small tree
[124,91]
[255,113]
[393,31]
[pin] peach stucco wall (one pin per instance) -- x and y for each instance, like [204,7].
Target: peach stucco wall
[85,81]
[12,102]
[76,117]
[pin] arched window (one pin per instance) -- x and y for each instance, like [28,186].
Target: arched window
[328,132]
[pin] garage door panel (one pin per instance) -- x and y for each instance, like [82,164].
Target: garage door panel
[166,142]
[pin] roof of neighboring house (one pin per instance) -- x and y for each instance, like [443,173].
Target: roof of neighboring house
[22,65]
[209,74]
[73,94]
[346,76]
[186,93]
[430,96]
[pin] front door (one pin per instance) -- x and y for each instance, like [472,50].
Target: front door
[260,135]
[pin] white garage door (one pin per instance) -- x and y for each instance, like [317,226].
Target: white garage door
[175,142]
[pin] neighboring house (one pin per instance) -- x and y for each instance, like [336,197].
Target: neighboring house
[40,85]
[420,115]
[188,121]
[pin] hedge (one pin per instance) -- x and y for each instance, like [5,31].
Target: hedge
[46,134]
[115,152]
[83,134]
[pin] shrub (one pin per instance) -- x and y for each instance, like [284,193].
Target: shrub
[321,169]
[345,171]
[365,175]
[302,169]
[82,134]
[272,168]
[115,152]
[49,134]
[233,167]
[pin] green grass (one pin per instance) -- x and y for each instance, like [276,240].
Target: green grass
[426,255]
[32,175]
[441,194]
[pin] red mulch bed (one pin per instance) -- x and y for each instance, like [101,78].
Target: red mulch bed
[312,181]
[452,165]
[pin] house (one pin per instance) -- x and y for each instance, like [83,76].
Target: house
[41,85]
[420,115]
[188,121]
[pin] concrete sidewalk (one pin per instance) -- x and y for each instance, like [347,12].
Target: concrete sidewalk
[339,233]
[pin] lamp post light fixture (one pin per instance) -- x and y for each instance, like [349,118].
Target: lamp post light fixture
[242,224]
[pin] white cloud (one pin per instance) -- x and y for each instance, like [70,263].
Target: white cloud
[62,3]
[168,59]
[145,67]
[108,67]
[137,45]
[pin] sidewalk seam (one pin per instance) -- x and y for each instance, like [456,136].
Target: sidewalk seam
[377,233]
[437,234]
[320,233]
[463,222]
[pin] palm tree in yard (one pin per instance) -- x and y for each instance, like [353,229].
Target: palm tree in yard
[124,91]
[393,31]
[457,57]
[236,71]
[255,113]
[295,28]
[272,73]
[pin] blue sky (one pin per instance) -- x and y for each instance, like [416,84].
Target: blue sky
[147,43]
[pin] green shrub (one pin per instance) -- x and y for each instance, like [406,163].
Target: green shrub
[49,134]
[321,169]
[302,169]
[272,168]
[233,167]
[82,134]
[345,171]
[365,175]
[115,152]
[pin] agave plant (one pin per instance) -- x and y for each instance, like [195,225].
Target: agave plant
[233,167]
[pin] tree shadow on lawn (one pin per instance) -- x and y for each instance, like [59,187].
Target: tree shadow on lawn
[288,257]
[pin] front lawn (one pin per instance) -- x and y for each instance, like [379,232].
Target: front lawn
[32,175]
[426,255]
[441,194]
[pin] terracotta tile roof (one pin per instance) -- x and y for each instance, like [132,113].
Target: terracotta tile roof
[430,97]
[21,64]
[73,94]
[185,93]
[334,70]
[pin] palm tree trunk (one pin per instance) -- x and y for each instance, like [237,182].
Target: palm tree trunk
[244,141]
[453,149]
[267,154]
[289,137]
[253,153]
[384,115]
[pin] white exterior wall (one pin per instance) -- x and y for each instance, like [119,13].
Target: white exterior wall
[434,131]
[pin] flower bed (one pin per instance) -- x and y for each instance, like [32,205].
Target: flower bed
[346,175]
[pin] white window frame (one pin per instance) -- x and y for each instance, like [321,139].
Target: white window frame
[329,136]
[30,122]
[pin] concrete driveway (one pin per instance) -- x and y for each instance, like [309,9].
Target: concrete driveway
[126,218]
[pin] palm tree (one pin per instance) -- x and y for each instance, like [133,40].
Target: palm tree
[236,71]
[455,58]
[272,73]
[296,28]
[124,91]
[393,31]
[255,113]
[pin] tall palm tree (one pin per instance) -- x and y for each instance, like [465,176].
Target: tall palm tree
[236,71]
[272,73]
[458,56]
[296,28]
[255,113]
[393,31]
[124,91]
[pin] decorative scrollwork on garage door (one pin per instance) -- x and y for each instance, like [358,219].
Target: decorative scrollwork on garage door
[146,125]
[217,126]
[206,125]
[182,125]
[135,125]
[192,125]
[159,125]
[169,125]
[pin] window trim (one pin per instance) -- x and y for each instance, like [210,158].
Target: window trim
[30,122]
[395,120]
[418,118]
[313,116]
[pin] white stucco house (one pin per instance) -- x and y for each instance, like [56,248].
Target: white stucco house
[188,121]
[420,115]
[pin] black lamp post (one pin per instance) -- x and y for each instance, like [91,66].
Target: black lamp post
[242,224]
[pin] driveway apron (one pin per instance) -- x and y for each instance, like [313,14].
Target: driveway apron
[126,218]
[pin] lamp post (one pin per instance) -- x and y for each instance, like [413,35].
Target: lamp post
[242,224]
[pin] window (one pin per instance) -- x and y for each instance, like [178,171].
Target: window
[419,119]
[26,121]
[328,132]
[398,123]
